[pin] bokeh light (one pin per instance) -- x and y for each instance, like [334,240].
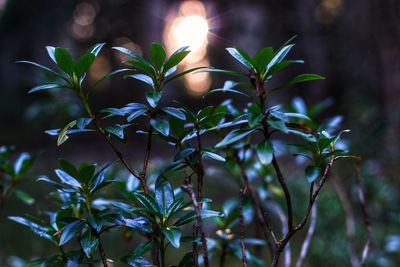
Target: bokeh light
[189,27]
[83,26]
[327,11]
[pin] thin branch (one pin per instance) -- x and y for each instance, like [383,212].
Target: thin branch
[109,141]
[241,227]
[282,217]
[200,171]
[146,159]
[307,241]
[350,220]
[286,191]
[102,254]
[189,190]
[266,227]
[313,196]
[366,219]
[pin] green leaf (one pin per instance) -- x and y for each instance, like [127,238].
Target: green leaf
[176,58]
[67,179]
[51,51]
[177,113]
[89,242]
[283,64]
[142,249]
[214,156]
[68,167]
[234,136]
[45,87]
[304,78]
[82,65]
[116,130]
[160,125]
[157,55]
[137,262]
[138,62]
[147,201]
[56,261]
[306,136]
[83,122]
[183,73]
[312,173]
[210,214]
[187,218]
[262,57]
[62,136]
[86,172]
[265,152]
[228,85]
[95,50]
[153,98]
[64,60]
[70,231]
[173,235]
[22,164]
[227,72]
[34,227]
[139,223]
[164,194]
[144,78]
[278,124]
[44,68]
[24,197]
[187,260]
[135,258]
[136,113]
[279,56]
[184,153]
[241,56]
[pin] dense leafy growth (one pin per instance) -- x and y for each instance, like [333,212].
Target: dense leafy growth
[246,144]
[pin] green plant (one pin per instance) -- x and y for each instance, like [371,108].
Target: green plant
[245,148]
[11,175]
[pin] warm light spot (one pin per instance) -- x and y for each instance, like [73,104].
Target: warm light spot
[189,27]
[83,17]
[101,66]
[84,14]
[2,4]
[190,31]
[82,32]
[200,82]
[327,11]
[189,8]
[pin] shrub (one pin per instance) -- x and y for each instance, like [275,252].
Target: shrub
[247,143]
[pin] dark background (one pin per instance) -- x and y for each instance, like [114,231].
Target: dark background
[354,44]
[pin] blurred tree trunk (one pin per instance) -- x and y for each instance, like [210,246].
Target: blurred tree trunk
[387,36]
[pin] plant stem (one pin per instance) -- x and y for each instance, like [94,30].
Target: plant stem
[241,226]
[162,251]
[108,139]
[189,190]
[266,227]
[146,157]
[364,211]
[277,169]
[103,254]
[223,255]
[200,171]
[306,244]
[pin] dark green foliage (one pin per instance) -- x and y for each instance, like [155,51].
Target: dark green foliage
[159,211]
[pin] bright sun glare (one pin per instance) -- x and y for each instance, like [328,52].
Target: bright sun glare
[189,27]
[190,31]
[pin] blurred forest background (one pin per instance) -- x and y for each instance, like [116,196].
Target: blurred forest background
[354,44]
